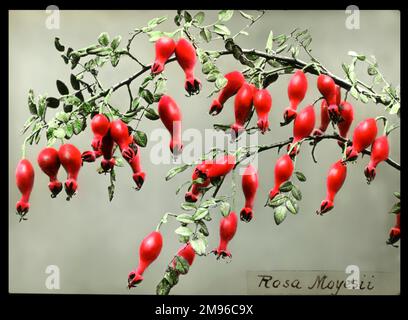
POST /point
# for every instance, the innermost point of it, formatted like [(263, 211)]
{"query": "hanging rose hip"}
[(49, 163), (296, 93), (235, 80), (70, 158), (99, 126), (149, 250), (395, 232), (164, 47), (138, 175), (263, 105), (324, 119), (120, 135), (195, 191), (186, 57), (327, 88), (283, 171), (346, 119), (380, 150), (249, 187), (170, 115), (108, 161), (242, 107), (228, 228), (302, 128), (363, 136), (335, 179), (24, 182), (218, 167)]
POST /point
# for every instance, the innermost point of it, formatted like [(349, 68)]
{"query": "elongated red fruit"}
[(138, 174), (324, 119), (283, 171), (218, 167), (171, 117), (99, 126), (149, 250), (235, 81), (186, 57), (297, 88), (70, 158), (327, 88), (186, 252), (24, 182), (108, 161), (249, 187), (395, 232), (363, 136), (335, 179), (380, 150), (263, 105), (49, 163), (242, 107), (164, 48), (120, 135), (302, 128), (195, 191), (346, 119), (228, 228)]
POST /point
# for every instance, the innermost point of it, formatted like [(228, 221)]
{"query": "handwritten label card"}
[(353, 282)]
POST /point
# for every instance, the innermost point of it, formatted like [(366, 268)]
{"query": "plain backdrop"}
[(95, 242)]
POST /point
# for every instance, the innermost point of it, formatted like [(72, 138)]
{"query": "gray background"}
[(95, 242)]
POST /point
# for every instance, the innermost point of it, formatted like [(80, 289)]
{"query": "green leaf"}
[(269, 42), (208, 203), (280, 214), (31, 104), (395, 108), (200, 213), (111, 191), (176, 170), (62, 116), (300, 176), (372, 71), (72, 100), (290, 206), (208, 67), (182, 265), (221, 30), (396, 208), (188, 206), (59, 133), (140, 138), (62, 88), (184, 218), (281, 48), (77, 126), (286, 186), (184, 231), (147, 96), (225, 15), (246, 15), (103, 39), (213, 75), (58, 45), (41, 106), (354, 93), (114, 59), (277, 201), (206, 34), (297, 194), (199, 17), (151, 114), (199, 246), (74, 82), (203, 228), (69, 131), (363, 98), (67, 108), (187, 16), (397, 195), (116, 42), (225, 208), (221, 82)]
